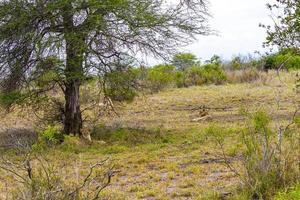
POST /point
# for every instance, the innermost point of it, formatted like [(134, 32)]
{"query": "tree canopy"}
[(285, 33), (183, 61), (47, 44)]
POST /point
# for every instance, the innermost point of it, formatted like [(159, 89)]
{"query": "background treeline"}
[(186, 70), (183, 70)]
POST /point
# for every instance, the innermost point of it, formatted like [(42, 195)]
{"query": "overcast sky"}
[(238, 24)]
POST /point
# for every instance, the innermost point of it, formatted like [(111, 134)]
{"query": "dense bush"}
[(194, 76), (52, 135), (166, 76), (284, 59), (186, 71), (121, 85), (213, 74), (236, 63), (160, 77), (180, 79), (206, 74)]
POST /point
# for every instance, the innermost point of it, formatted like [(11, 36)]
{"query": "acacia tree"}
[(285, 33), (183, 61), (50, 43)]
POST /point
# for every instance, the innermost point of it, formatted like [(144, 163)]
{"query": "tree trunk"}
[(75, 48), (73, 119), (74, 75)]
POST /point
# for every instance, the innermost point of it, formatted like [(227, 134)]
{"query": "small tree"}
[(215, 59), (236, 63), (49, 44), (183, 61)]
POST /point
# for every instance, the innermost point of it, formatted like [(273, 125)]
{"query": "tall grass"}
[(270, 158)]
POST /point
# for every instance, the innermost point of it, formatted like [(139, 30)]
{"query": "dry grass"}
[(180, 163), (175, 109), (247, 76)]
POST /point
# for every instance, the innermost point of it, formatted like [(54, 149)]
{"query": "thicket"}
[(186, 71), (288, 59)]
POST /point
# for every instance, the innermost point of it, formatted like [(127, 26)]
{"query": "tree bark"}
[(73, 118), (74, 74)]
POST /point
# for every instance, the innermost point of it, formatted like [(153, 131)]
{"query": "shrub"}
[(215, 59), (236, 63), (121, 85), (10, 98), (269, 157), (206, 74), (243, 62), (165, 76), (35, 177), (51, 136), (160, 77), (180, 79), (284, 59), (194, 76), (213, 74)]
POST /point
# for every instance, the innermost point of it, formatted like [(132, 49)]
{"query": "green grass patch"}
[(292, 193)]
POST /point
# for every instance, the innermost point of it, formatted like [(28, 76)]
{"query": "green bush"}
[(206, 74), (160, 77), (121, 85), (180, 79), (284, 59), (8, 99), (213, 74), (51, 136), (165, 76), (236, 63), (243, 63), (269, 157)]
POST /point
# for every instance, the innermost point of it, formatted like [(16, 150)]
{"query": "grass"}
[(291, 194), (161, 152)]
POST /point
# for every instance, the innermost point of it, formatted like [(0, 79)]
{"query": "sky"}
[(237, 22)]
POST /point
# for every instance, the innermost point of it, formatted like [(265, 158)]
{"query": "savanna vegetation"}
[(82, 118)]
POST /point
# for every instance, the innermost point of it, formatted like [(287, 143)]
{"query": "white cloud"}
[(238, 24)]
